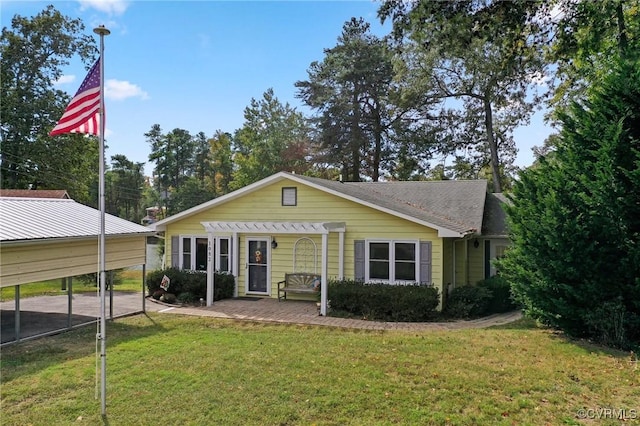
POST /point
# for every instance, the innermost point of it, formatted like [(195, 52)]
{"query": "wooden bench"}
[(299, 282)]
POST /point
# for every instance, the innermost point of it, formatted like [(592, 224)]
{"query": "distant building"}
[(35, 193), (152, 215)]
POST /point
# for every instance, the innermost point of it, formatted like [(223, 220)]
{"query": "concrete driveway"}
[(44, 314)]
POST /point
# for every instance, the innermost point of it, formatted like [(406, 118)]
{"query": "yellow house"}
[(440, 233)]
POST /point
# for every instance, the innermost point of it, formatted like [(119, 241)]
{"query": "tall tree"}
[(273, 138), (482, 54), (575, 219), (125, 183), (202, 160), (588, 37), (33, 53), (221, 162), (174, 157), (350, 91)]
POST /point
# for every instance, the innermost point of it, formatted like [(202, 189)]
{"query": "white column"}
[(341, 255), (235, 259), (210, 268), (325, 272)]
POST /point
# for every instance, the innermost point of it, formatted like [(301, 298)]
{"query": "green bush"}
[(225, 285), (190, 286), (383, 301), (501, 300), (187, 297), (468, 302)]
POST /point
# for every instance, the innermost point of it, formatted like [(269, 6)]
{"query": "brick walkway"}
[(296, 312)]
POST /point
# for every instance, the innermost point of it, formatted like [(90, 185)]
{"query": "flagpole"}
[(102, 31)]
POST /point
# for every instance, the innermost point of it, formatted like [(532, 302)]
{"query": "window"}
[(223, 255), (193, 253), (393, 261), (289, 196)]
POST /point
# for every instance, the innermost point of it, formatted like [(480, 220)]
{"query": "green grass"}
[(175, 370), (131, 281)]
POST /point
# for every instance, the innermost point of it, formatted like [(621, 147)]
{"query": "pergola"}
[(274, 228)]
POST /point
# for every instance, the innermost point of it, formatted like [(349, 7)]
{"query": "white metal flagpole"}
[(102, 31)]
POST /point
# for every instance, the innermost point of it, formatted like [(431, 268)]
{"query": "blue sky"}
[(196, 65)]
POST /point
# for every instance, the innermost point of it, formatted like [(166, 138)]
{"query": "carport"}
[(45, 239)]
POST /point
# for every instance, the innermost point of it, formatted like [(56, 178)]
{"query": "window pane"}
[(379, 251), (405, 251), (224, 246), (289, 196), (378, 270), (405, 271), (201, 254), (224, 264), (186, 261), (186, 245)]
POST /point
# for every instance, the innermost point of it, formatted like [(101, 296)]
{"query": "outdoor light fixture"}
[(274, 244), (476, 243)]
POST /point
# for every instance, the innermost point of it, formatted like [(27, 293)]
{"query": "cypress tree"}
[(575, 219)]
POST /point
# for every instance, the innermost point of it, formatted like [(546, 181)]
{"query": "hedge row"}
[(190, 286), (489, 296), (384, 302)]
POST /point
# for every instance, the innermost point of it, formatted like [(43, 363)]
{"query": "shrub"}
[(501, 300), (383, 301), (224, 287), (112, 278), (190, 286), (186, 297), (468, 302)]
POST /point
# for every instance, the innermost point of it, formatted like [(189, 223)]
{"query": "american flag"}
[(83, 113)]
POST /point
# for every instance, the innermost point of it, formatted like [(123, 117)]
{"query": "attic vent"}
[(289, 196)]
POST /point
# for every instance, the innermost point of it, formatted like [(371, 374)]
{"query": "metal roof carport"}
[(45, 239)]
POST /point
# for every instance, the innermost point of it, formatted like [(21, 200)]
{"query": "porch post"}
[(325, 272), (341, 255), (235, 261), (210, 268)]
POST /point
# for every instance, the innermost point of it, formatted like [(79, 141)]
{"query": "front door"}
[(258, 266)]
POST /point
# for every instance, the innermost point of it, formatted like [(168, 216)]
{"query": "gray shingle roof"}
[(495, 218), (27, 219), (456, 205), (454, 208)]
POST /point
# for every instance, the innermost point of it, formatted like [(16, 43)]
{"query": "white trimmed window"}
[(395, 262), (193, 253)]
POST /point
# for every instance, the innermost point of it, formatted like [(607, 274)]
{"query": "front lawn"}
[(176, 370)]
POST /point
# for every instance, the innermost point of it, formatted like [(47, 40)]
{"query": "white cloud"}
[(65, 79), (119, 90), (112, 7)]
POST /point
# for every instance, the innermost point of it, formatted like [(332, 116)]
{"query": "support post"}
[(324, 291)]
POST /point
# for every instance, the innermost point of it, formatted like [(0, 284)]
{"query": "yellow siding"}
[(447, 266), (460, 263), (476, 261), (45, 261), (313, 205)]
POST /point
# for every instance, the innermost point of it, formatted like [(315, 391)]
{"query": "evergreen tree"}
[(575, 219)]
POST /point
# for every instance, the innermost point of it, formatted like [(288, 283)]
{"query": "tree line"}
[(437, 98)]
